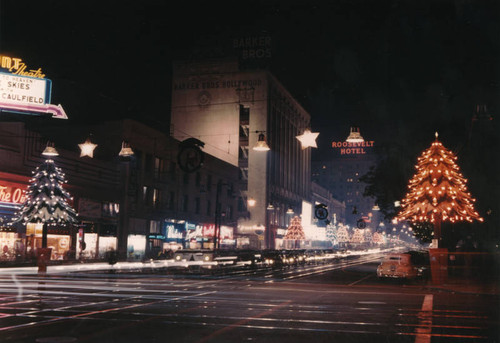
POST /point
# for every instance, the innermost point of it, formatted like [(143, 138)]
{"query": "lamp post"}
[(271, 226), (125, 155), (217, 217)]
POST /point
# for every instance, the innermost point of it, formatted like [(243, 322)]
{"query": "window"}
[(241, 205), (186, 178), (197, 206), (209, 208), (157, 170), (154, 226), (156, 197), (198, 179), (209, 183), (145, 194), (148, 162), (185, 203), (171, 203)]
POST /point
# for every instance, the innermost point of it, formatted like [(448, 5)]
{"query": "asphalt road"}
[(339, 302)]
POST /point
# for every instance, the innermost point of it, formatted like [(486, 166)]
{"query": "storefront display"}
[(106, 244), (90, 250), (136, 247)]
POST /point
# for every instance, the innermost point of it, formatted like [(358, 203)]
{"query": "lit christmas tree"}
[(378, 238), (357, 237), (331, 234), (46, 200), (438, 191), (367, 236), (342, 234), (295, 231)]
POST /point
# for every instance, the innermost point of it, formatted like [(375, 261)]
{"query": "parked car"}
[(408, 265)]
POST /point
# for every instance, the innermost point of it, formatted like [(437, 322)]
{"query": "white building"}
[(228, 109)]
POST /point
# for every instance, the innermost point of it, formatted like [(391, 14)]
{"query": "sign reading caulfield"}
[(24, 90)]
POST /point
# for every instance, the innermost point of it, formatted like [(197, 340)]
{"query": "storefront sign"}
[(174, 231), (256, 47), (229, 83), (11, 193), (156, 236), (18, 67), (347, 148)]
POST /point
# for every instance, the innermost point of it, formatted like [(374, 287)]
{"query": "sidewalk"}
[(467, 286)]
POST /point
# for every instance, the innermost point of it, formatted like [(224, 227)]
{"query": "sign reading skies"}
[(16, 89)]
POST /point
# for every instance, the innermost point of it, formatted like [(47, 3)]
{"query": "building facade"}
[(229, 110), (341, 176)]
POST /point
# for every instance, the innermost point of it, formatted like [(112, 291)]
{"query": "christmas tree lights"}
[(46, 200), (438, 191), (295, 231)]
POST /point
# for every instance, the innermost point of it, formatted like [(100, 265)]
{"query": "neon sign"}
[(347, 148), (11, 194), (18, 67)]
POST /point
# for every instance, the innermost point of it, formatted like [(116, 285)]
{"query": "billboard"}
[(19, 90)]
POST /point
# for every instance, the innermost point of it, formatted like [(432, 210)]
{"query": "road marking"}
[(372, 302), (423, 332), (242, 322), (355, 282)]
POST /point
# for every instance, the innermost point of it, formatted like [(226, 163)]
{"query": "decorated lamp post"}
[(438, 191)]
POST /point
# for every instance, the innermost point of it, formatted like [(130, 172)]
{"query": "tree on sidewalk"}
[(46, 200), (438, 191)]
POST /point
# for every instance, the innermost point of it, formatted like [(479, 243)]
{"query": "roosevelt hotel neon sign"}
[(350, 148)]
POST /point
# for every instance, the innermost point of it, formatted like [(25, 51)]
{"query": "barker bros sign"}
[(348, 148)]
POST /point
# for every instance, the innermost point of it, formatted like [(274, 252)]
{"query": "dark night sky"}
[(398, 69)]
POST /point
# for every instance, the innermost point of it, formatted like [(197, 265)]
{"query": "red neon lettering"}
[(7, 195)]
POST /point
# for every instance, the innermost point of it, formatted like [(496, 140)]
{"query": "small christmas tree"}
[(367, 236), (295, 231), (46, 200), (378, 238), (331, 234), (342, 234), (438, 191), (357, 237)]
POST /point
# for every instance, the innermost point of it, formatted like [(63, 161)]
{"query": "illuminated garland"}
[(438, 191), (46, 200)]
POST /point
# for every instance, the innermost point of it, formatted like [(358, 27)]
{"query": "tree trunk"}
[(437, 232), (44, 235)]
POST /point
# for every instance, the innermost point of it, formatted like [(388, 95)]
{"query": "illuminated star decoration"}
[(87, 148), (308, 139)]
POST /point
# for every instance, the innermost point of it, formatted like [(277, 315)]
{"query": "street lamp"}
[(50, 150), (261, 143)]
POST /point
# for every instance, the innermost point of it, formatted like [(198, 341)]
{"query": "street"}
[(342, 302)]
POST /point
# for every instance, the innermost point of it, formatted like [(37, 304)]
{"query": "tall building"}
[(230, 110), (341, 176)]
